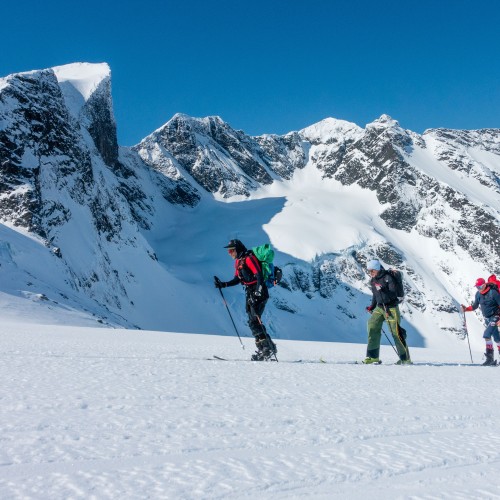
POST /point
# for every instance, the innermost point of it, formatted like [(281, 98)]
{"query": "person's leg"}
[(490, 331), (263, 342), (393, 321), (374, 327)]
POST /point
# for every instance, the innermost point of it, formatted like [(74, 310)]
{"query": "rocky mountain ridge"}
[(63, 176)]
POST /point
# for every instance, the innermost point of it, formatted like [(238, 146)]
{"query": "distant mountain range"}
[(92, 231)]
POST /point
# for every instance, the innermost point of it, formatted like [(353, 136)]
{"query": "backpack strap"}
[(253, 262), (246, 267)]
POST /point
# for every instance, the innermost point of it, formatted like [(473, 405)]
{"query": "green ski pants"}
[(375, 323)]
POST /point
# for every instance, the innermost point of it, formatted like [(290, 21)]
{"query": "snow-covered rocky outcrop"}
[(134, 235)]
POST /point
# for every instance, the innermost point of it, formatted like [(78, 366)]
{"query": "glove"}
[(257, 293), (466, 308), (370, 308), (218, 283)]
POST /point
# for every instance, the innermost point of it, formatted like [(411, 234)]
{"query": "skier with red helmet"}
[(488, 298), (248, 272)]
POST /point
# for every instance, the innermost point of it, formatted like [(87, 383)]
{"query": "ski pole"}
[(387, 314), (392, 345), (230, 315), (467, 335)]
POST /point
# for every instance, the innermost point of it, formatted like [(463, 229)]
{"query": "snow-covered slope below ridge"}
[(134, 236)]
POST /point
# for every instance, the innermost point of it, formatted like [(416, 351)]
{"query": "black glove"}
[(218, 283), (257, 293)]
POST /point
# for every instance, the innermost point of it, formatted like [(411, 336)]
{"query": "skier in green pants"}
[(384, 307)]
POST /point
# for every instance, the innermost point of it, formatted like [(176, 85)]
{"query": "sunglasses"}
[(231, 250)]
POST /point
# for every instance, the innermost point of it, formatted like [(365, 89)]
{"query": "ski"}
[(219, 358), (325, 362), (296, 361)]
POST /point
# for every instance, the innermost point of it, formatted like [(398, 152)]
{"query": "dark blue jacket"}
[(489, 302), (384, 289)]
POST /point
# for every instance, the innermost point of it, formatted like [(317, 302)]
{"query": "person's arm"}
[(233, 282), (473, 306)]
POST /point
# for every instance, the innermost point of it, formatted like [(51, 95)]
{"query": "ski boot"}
[(258, 356), (404, 362), (371, 361), (489, 358), (265, 354), (404, 359), (266, 348)]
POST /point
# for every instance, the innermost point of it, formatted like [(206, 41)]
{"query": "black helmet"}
[(238, 246)]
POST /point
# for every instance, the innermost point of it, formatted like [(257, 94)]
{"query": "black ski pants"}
[(255, 309)]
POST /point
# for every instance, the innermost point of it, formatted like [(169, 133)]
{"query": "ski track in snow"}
[(123, 414)]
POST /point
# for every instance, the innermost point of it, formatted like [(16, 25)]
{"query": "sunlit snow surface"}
[(97, 413)]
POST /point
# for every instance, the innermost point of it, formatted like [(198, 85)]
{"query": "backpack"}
[(398, 280), (265, 255)]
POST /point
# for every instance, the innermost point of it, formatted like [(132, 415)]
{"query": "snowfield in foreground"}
[(97, 413)]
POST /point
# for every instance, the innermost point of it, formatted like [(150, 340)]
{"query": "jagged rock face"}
[(40, 151), (374, 160), (283, 155), (220, 159), (98, 113), (379, 159)]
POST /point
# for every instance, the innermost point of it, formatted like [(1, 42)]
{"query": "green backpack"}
[(265, 255)]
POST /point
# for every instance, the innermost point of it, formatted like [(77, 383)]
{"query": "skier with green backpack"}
[(255, 270)]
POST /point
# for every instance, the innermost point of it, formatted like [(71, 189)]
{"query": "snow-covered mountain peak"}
[(181, 121), (330, 128), (84, 77), (79, 82), (384, 121)]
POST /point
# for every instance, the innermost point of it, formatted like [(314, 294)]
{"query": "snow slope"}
[(98, 413), (133, 236)]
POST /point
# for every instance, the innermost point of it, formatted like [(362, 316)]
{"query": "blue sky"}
[(272, 66)]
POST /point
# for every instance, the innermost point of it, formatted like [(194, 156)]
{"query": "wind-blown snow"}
[(89, 413), (78, 81), (85, 77)]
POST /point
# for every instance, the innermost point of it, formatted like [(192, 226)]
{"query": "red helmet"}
[(480, 282)]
